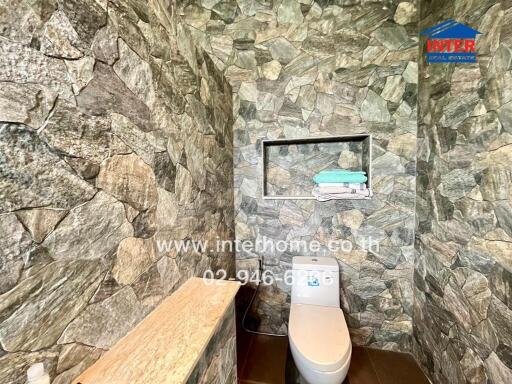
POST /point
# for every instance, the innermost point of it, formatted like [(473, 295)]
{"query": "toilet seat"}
[(320, 336)]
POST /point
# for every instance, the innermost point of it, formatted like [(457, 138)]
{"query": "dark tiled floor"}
[(374, 366), (263, 360)]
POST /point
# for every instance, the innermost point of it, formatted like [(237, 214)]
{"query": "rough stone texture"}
[(73, 359), (374, 108), (25, 103), (289, 12), (99, 108), (104, 47), (11, 364), (142, 143), (80, 72), (37, 310), (158, 94), (79, 135), (59, 38), (38, 179), (130, 180), (135, 73), (107, 93), (40, 221), (406, 13), (25, 65), (325, 69), (103, 221), (271, 70), (134, 256), (14, 246), (218, 362), (102, 324), (462, 307), (29, 19)]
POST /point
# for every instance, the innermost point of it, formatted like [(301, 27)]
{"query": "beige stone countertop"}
[(166, 346)]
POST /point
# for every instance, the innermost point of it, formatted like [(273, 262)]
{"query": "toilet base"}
[(312, 376)]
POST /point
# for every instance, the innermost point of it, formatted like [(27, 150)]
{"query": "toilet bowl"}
[(317, 330), (320, 343)]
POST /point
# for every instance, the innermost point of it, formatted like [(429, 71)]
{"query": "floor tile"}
[(396, 368), (268, 361), (265, 362), (361, 370)]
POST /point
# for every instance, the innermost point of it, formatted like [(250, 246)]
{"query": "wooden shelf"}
[(165, 347)]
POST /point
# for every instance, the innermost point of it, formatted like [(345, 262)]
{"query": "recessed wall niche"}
[(290, 164)]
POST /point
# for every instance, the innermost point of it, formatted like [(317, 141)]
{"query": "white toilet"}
[(319, 338)]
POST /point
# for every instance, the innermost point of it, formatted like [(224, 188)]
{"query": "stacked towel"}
[(340, 176), (340, 184), (342, 188)]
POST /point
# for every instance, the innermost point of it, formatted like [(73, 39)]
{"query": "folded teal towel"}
[(340, 176)]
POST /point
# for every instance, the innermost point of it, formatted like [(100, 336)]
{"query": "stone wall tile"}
[(405, 13), (21, 64), (86, 17), (130, 180), (103, 219), (106, 93), (466, 214), (65, 287), (28, 104), (37, 169), (59, 38), (124, 22), (29, 19), (135, 73), (104, 46), (15, 248), (80, 72), (79, 135), (14, 363), (160, 119), (102, 324), (134, 256), (40, 221)]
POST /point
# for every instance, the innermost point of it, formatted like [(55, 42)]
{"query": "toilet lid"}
[(320, 335)]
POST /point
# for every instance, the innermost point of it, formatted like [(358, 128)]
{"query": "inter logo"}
[(451, 42)]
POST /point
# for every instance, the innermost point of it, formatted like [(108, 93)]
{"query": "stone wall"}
[(114, 135), (327, 68), (217, 365), (463, 274)]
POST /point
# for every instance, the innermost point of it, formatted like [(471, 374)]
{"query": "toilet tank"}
[(316, 281)]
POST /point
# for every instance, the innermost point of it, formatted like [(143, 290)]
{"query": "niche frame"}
[(364, 138)]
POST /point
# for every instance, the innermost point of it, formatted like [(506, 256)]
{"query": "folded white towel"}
[(359, 186), (339, 189), (340, 196)]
